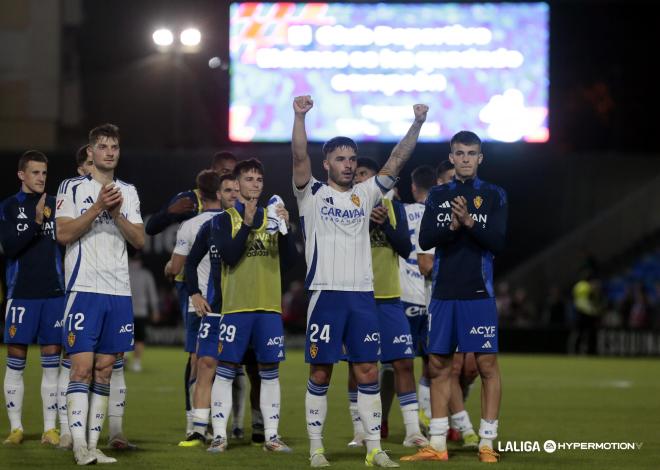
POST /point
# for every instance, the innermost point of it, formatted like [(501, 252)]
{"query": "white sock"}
[(221, 399), (189, 422), (461, 422), (62, 385), (370, 410), (14, 391), (269, 401), (410, 412), (77, 406), (316, 409), (424, 396), (355, 414), (49, 371), (438, 431), (201, 420), (488, 432), (117, 399), (386, 381), (98, 407), (239, 397)]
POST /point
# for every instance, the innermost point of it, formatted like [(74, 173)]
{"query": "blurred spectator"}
[(522, 310), (503, 302), (145, 304), (638, 309), (294, 308), (554, 309), (588, 302), (170, 313)]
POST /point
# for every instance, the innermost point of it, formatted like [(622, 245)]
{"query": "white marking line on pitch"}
[(616, 384)]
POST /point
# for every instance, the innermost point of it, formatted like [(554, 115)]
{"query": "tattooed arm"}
[(402, 151)]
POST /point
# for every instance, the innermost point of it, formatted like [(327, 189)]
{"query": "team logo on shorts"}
[(220, 348), (313, 350), (478, 201), (47, 212), (71, 339), (355, 200), (12, 331)]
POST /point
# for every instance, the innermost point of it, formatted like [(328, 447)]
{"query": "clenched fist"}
[(302, 104), (420, 112)]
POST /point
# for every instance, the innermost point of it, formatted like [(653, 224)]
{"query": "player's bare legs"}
[(491, 385), (460, 423), (491, 394)]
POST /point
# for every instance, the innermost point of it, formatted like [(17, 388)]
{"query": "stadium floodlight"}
[(190, 37), (163, 37)]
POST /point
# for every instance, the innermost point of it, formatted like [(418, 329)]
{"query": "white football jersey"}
[(412, 281), (97, 261), (185, 238), (336, 229)]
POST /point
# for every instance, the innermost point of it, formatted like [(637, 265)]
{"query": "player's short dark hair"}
[(221, 156), (208, 183), (104, 130), (465, 138), (227, 177), (338, 142), (81, 155), (31, 156), (424, 177), (369, 163), (443, 168), (248, 165)]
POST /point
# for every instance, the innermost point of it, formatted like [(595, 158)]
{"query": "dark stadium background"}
[(602, 148)]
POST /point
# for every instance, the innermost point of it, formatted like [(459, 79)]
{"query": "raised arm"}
[(403, 150), (302, 166)]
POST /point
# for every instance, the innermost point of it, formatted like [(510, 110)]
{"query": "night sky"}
[(603, 95)]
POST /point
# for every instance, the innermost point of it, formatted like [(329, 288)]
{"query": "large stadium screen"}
[(482, 67)]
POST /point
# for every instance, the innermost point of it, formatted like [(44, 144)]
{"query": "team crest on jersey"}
[(47, 212), (478, 201), (71, 339), (219, 347), (313, 350), (12, 331), (355, 200)]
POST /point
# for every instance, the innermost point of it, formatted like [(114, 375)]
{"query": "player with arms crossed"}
[(96, 215), (342, 309), (35, 292), (465, 220)]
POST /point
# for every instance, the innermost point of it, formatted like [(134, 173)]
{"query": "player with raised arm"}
[(342, 310), (390, 241), (35, 292), (465, 220), (96, 215), (251, 254)]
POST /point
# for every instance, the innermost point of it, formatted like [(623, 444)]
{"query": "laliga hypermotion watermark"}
[(551, 446)]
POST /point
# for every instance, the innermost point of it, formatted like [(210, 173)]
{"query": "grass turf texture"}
[(565, 399)]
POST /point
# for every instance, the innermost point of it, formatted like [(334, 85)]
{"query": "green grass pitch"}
[(565, 399)]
